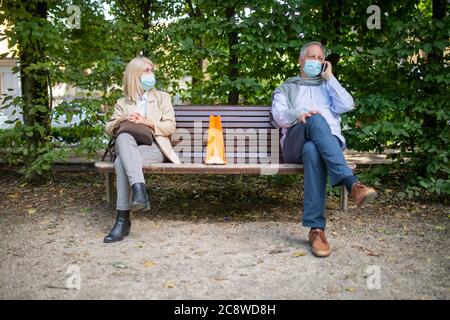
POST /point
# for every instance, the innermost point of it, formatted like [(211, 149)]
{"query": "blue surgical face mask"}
[(148, 81), (312, 68)]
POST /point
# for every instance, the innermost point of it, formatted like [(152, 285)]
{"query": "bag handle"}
[(110, 149)]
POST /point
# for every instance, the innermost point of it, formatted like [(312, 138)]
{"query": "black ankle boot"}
[(139, 197), (121, 229), (147, 204)]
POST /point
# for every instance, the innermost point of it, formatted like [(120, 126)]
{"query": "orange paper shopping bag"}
[(215, 150)]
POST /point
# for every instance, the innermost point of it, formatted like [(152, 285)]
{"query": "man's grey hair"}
[(309, 44)]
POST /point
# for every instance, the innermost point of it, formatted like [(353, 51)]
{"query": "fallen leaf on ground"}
[(149, 264), (31, 211), (274, 251), (368, 251), (119, 265), (297, 254), (219, 277), (86, 210)]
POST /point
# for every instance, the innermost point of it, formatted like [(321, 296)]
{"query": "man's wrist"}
[(332, 78)]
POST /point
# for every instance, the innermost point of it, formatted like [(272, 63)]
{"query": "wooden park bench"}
[(251, 146)]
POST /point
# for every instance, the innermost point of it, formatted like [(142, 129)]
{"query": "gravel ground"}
[(195, 245)]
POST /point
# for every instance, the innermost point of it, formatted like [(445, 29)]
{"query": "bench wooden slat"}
[(239, 139), (226, 131), (207, 113), (235, 154), (223, 119), (220, 107), (229, 125), (201, 168)]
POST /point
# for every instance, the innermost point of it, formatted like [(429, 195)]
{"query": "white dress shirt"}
[(141, 104)]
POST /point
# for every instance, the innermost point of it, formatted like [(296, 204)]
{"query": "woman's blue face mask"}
[(148, 81), (312, 68)]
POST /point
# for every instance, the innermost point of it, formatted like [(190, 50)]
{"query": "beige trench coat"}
[(159, 111)]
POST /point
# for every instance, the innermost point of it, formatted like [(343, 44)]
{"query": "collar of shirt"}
[(141, 102), (142, 97)]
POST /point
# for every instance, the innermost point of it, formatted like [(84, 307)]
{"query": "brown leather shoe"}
[(362, 194), (319, 244)]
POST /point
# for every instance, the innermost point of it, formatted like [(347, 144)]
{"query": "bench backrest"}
[(249, 134)]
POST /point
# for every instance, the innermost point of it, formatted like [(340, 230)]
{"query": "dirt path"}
[(191, 247)]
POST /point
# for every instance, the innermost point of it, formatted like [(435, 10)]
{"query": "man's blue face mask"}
[(312, 68)]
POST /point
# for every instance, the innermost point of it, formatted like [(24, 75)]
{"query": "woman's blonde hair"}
[(131, 77)]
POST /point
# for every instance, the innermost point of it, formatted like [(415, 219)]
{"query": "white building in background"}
[(9, 82), (9, 85)]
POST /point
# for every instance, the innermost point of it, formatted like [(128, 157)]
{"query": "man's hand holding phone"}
[(326, 70)]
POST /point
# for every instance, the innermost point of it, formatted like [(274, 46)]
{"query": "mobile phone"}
[(324, 67)]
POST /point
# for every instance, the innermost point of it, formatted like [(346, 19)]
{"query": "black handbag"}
[(140, 132)]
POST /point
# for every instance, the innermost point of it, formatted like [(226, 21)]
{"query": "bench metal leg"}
[(109, 189), (344, 198)]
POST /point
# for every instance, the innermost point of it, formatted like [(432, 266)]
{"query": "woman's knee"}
[(124, 138)]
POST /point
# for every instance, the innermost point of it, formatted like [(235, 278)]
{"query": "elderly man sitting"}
[(307, 108)]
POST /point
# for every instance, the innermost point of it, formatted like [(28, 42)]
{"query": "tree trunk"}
[(233, 71), (331, 15), (197, 71), (35, 83), (436, 57), (197, 82), (146, 19)]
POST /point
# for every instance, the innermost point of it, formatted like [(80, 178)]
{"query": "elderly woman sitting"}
[(141, 104)]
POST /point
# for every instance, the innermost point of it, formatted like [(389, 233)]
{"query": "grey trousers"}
[(128, 165)]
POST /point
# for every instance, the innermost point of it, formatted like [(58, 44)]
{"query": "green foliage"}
[(283, 180), (16, 149), (88, 135), (402, 96)]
